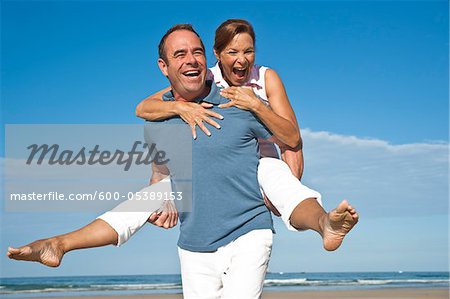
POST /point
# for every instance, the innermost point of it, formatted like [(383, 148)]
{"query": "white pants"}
[(275, 178), (236, 270), (282, 188)]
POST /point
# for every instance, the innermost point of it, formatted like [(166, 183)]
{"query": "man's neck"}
[(191, 97)]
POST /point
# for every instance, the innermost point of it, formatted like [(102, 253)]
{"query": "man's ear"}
[(216, 54), (162, 66)]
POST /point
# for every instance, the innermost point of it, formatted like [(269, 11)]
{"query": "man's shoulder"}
[(168, 96)]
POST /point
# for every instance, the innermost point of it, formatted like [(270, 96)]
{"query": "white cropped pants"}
[(275, 178)]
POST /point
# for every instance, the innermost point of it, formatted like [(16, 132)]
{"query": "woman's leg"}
[(301, 207), (112, 228), (51, 251), (131, 215)]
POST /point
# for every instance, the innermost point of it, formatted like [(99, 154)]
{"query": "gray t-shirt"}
[(226, 199)]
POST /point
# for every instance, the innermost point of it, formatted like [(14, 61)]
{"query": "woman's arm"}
[(294, 159), (283, 116), (279, 117), (278, 99), (280, 120), (154, 108)]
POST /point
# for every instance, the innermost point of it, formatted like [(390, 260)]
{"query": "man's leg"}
[(201, 274), (300, 206), (248, 261), (51, 251)]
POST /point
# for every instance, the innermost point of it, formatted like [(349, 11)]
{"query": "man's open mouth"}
[(192, 74)]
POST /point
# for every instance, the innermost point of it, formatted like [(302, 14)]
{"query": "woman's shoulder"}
[(264, 73), (265, 69), (258, 74), (268, 73), (273, 82), (260, 68)]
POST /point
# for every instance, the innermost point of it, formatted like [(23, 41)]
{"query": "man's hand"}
[(166, 216), (195, 114)]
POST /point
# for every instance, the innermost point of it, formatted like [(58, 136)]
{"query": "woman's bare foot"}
[(48, 252), (337, 224)]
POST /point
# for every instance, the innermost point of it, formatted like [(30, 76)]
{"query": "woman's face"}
[(237, 59)]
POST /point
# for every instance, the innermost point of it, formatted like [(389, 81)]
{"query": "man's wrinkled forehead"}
[(181, 41)]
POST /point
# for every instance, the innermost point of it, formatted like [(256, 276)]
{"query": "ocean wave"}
[(280, 282), (149, 286), (44, 290), (391, 281), (375, 282), (90, 288), (349, 282), (307, 282)]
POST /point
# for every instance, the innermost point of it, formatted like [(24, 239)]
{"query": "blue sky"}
[(368, 82)]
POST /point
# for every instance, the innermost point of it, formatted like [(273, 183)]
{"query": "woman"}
[(234, 49)]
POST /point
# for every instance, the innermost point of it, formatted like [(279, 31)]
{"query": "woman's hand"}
[(241, 97), (195, 114)]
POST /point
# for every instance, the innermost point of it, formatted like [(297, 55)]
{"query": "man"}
[(225, 242)]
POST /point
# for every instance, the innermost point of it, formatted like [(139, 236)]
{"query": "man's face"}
[(186, 64)]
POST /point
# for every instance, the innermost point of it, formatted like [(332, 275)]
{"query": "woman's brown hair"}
[(228, 30)]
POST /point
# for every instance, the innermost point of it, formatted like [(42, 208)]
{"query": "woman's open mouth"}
[(240, 72)]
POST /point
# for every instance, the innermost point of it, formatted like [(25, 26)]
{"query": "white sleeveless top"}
[(258, 84), (256, 80)]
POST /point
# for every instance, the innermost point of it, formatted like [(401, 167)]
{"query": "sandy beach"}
[(407, 293)]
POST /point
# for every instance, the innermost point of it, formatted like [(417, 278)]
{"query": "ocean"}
[(164, 284)]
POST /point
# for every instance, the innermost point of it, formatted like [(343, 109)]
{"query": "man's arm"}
[(159, 172), (167, 215)]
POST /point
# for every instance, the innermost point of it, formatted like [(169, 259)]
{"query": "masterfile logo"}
[(53, 155), (95, 167)]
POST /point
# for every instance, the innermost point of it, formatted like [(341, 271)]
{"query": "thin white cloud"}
[(381, 179)]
